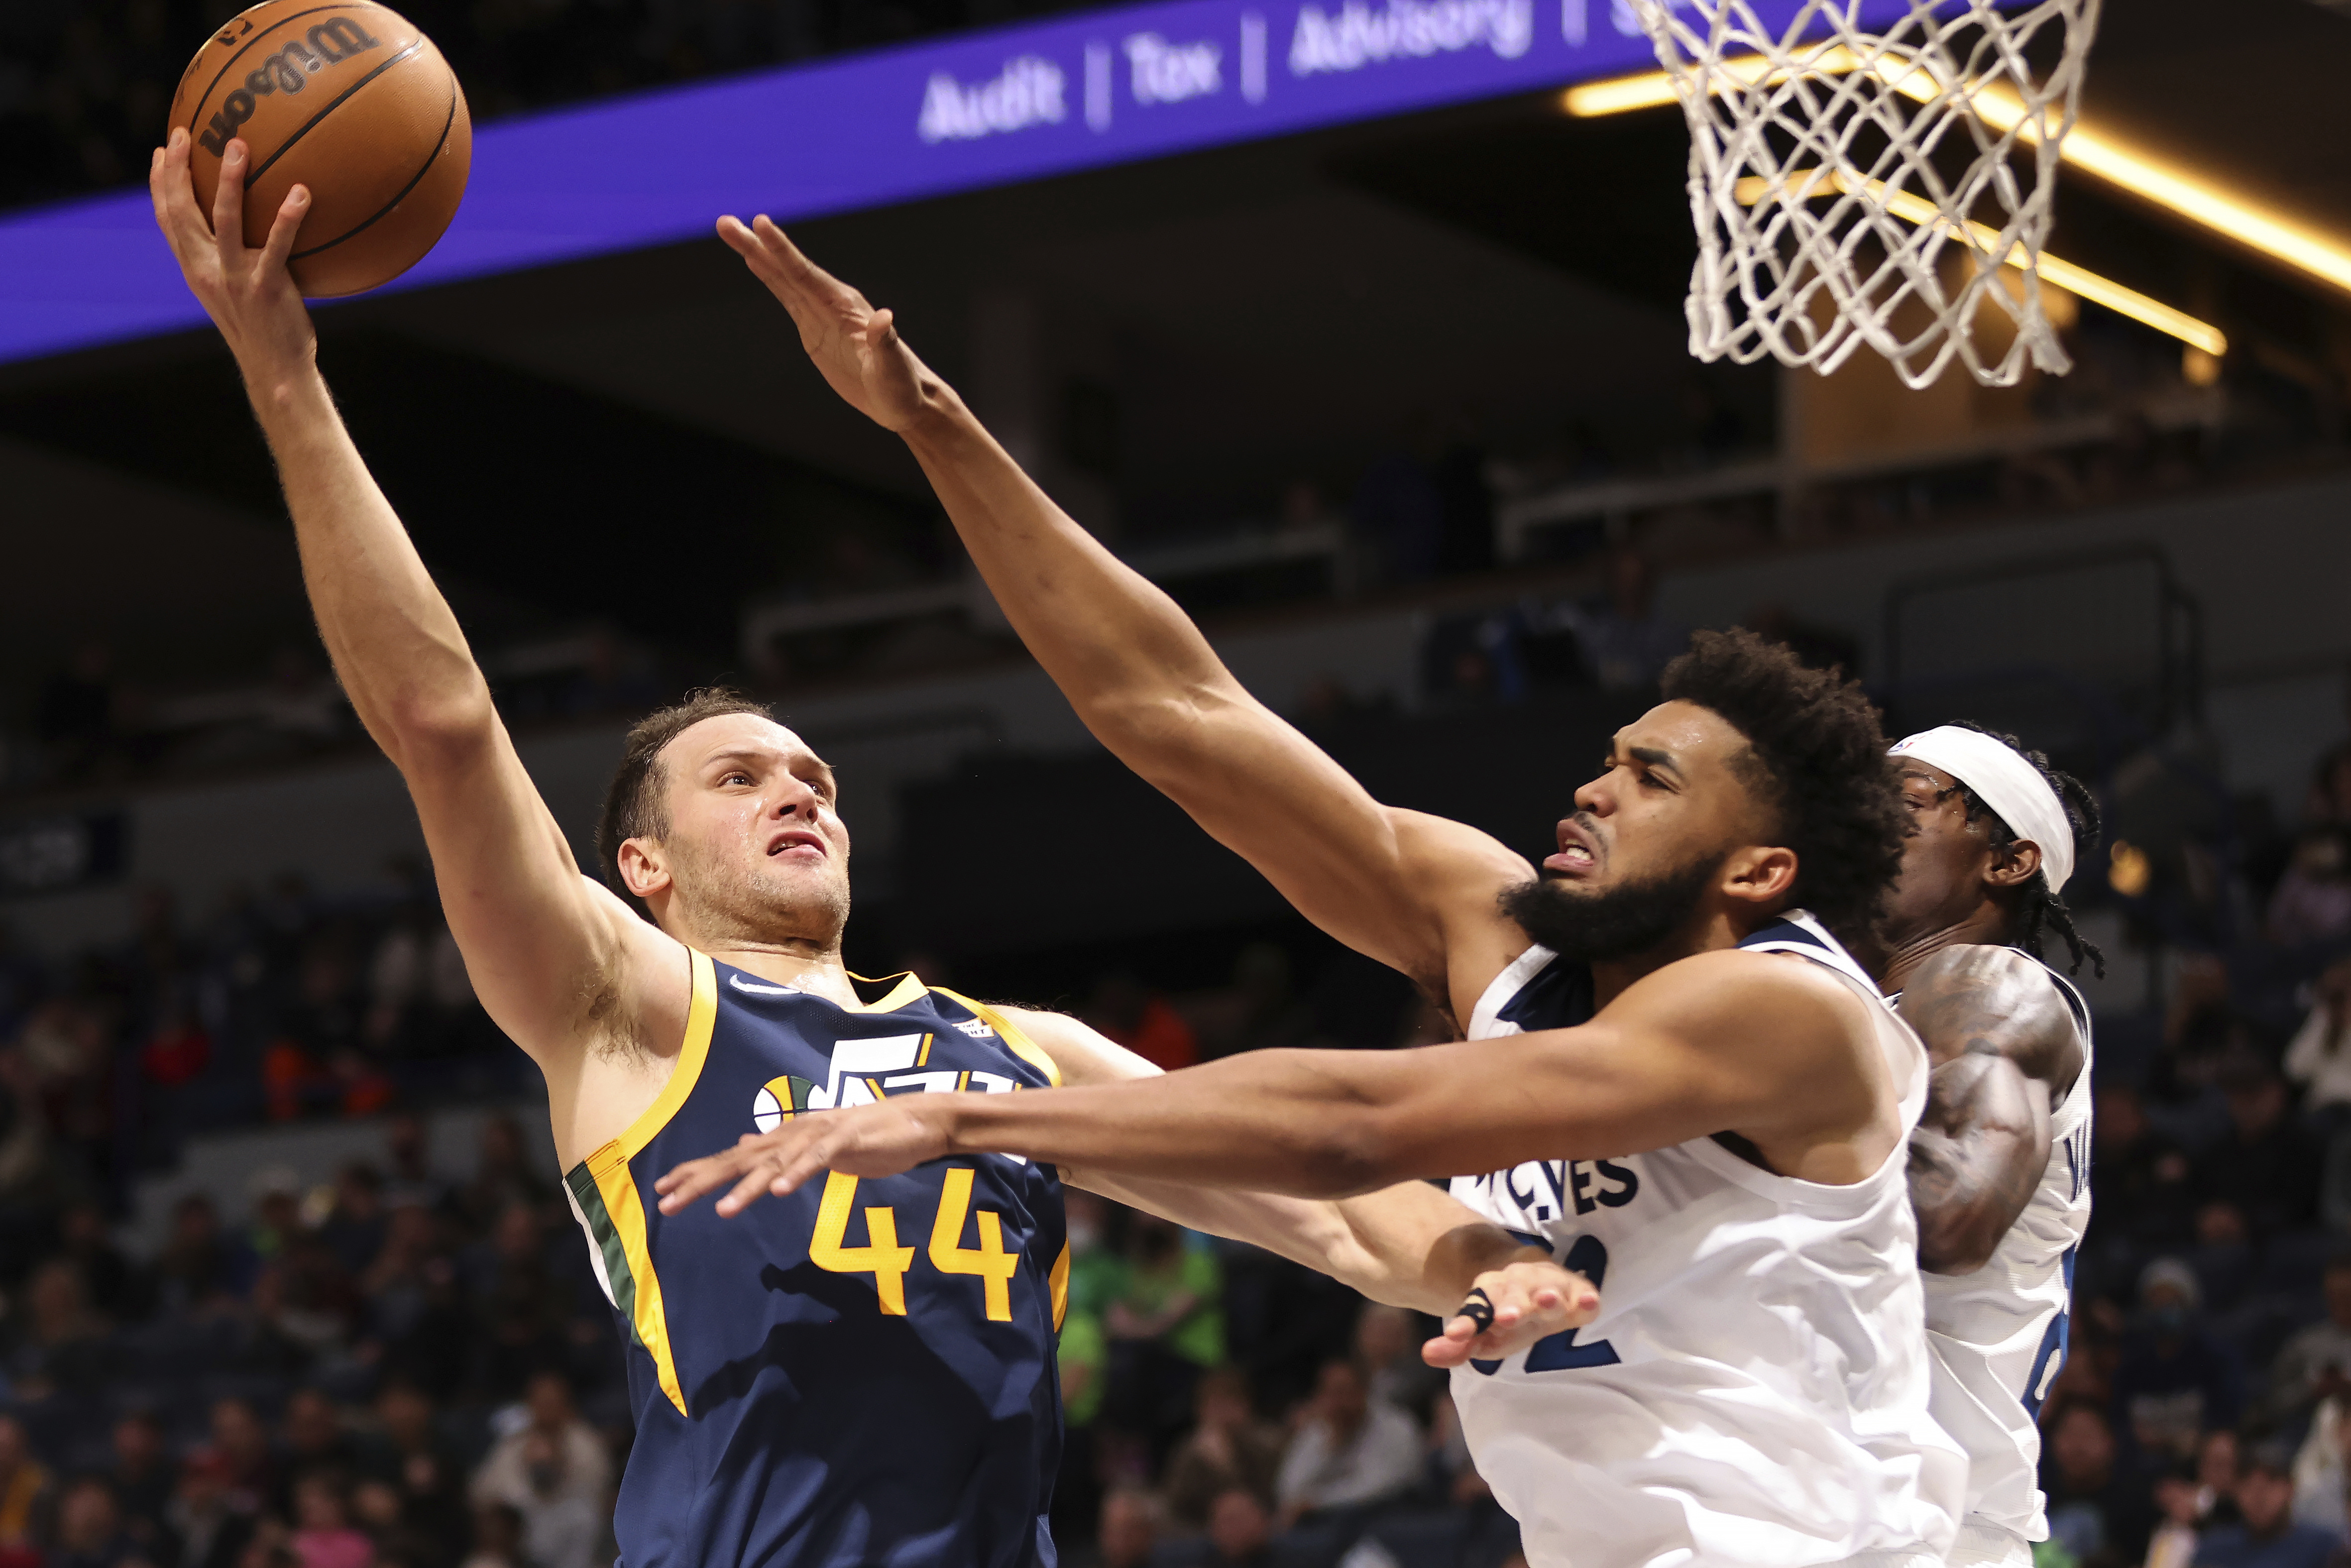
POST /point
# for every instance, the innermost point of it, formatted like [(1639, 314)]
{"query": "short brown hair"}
[(632, 801)]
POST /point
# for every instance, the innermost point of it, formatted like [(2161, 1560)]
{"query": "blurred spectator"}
[(143, 1482), (2266, 1165), (504, 1176), (323, 1536), (407, 1453), (107, 1275), (90, 1530), (554, 1473), (2315, 1363), (407, 1149), (1240, 1531), (1166, 1322), (2178, 1523), (198, 1263), (2176, 1379), (242, 1443), (1387, 1347), (2094, 1506), (316, 1441), (1142, 1021), (210, 1529), (1130, 1528), (2269, 1537), (1230, 1447), (498, 1538), (1625, 644), (27, 1496), (2312, 905), (1349, 1453), (60, 1343), (2317, 1058)]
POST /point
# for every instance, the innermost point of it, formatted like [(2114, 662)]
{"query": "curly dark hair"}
[(2042, 908), (1815, 757), (632, 801)]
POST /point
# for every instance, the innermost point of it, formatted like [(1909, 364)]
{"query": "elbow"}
[(436, 728), (1954, 1244)]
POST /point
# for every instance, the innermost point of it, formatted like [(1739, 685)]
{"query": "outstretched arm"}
[(2005, 1050), (1409, 1245), (1766, 1047), (1409, 889), (547, 950)]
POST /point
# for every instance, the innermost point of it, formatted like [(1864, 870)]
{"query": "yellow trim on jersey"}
[(701, 1017), (908, 989), (609, 1168), (1015, 1039), (1060, 1282)]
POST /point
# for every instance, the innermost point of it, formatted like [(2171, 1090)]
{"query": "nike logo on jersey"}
[(740, 983)]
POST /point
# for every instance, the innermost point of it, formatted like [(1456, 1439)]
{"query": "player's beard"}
[(727, 902), (1608, 924)]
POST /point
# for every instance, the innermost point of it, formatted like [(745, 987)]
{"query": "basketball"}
[(352, 100)]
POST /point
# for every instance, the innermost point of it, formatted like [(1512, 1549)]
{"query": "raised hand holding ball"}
[(351, 101)]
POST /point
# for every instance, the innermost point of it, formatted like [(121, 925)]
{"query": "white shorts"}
[(1990, 1546)]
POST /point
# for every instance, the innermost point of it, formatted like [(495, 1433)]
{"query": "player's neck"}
[(805, 964), (1984, 926), (1611, 977)]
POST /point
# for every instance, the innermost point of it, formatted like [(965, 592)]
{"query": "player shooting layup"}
[(1999, 1167), (1725, 1137), (867, 1374)]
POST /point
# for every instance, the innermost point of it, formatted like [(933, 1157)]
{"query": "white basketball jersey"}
[(2000, 1334), (1754, 1391)]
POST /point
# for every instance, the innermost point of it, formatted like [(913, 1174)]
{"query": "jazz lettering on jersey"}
[(866, 1070)]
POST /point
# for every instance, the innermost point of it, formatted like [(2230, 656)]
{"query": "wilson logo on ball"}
[(332, 42)]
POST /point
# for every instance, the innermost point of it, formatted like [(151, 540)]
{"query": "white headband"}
[(2006, 782)]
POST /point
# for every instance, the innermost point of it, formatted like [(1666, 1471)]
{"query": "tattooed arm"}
[(2004, 1051)]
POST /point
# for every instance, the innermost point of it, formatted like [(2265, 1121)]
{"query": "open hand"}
[(1531, 1300), (854, 345), (248, 293), (878, 1140)]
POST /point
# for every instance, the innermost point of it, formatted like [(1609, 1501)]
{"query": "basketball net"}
[(1853, 186)]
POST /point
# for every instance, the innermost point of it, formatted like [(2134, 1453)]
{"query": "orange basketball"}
[(350, 100)]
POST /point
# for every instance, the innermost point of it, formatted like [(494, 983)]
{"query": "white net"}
[(1859, 185)]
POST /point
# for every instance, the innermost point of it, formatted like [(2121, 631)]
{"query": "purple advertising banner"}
[(869, 129)]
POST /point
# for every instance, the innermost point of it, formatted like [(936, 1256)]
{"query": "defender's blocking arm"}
[(2004, 1049), (1409, 1245), (1411, 891), (545, 947), (1726, 1040)]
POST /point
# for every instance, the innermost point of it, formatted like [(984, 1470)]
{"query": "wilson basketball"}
[(350, 100)]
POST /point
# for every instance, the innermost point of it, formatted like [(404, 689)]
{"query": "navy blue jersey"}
[(861, 1373)]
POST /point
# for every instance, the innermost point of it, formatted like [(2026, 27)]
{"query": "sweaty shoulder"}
[(1993, 1001)]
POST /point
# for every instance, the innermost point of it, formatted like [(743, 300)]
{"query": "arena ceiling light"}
[(2079, 281), (2164, 184)]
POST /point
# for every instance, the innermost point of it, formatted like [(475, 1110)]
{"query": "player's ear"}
[(644, 872), (2014, 865), (1759, 873)]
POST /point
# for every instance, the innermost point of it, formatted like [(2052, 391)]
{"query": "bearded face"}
[(1621, 920)]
